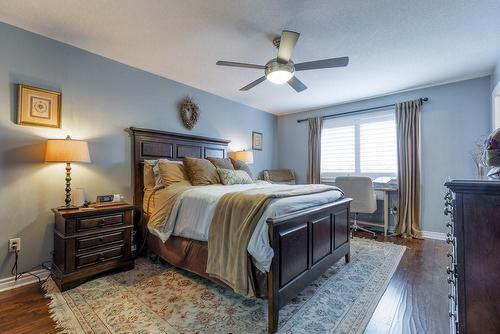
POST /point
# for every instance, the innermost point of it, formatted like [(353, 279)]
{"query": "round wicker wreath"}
[(190, 112)]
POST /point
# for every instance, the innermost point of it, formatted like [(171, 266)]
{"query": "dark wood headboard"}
[(155, 144)]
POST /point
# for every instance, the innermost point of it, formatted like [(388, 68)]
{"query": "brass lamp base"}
[(67, 199)]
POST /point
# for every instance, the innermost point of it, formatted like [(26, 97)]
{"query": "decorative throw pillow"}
[(231, 176), (201, 171), (171, 172), (148, 174), (221, 162), (240, 165)]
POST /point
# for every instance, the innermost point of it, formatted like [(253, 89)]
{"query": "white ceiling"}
[(392, 44)]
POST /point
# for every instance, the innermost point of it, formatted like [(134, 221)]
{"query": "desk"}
[(386, 189)]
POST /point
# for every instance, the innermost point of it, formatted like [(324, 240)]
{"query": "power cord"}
[(18, 275)]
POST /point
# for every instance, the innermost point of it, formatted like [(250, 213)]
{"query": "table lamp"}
[(67, 150), (245, 156)]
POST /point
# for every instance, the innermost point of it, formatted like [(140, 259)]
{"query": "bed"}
[(300, 241)]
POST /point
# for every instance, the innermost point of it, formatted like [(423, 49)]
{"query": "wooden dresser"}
[(473, 208), (87, 243)]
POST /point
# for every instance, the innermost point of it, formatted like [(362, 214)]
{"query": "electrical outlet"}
[(14, 245)]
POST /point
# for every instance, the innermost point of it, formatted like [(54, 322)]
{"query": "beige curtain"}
[(408, 134), (314, 151)]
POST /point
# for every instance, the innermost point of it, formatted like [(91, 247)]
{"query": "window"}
[(363, 144)]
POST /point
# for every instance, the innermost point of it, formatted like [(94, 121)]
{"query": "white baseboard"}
[(425, 234), (433, 235), (9, 283)]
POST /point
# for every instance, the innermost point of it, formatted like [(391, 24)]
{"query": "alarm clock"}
[(104, 198)]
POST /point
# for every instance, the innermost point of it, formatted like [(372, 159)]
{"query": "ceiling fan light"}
[(279, 73), (279, 77)]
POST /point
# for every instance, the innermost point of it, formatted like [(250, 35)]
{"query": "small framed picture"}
[(38, 107), (257, 141)]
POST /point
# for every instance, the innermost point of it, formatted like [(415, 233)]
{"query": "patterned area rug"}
[(156, 298)]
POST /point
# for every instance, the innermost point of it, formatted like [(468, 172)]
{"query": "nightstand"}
[(90, 242)]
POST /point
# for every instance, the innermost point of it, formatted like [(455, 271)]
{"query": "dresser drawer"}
[(99, 240), (104, 255), (92, 223)]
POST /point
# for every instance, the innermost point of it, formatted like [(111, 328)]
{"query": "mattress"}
[(193, 210)]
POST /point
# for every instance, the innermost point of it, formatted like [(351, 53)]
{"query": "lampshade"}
[(245, 156), (67, 150)]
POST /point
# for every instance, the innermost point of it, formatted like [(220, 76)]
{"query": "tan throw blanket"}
[(234, 221)]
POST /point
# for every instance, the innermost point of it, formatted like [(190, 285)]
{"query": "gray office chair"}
[(364, 200)]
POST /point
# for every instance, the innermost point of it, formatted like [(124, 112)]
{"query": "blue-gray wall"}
[(100, 99), (455, 116)]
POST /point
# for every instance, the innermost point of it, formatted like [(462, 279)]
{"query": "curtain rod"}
[(423, 99)]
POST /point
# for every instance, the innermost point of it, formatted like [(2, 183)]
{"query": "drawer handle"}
[(451, 281), (447, 211), (449, 271), (101, 222), (450, 255), (101, 258), (448, 196), (449, 224), (450, 240), (450, 296), (452, 315)]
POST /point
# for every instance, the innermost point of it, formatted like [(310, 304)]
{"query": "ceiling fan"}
[(282, 69)]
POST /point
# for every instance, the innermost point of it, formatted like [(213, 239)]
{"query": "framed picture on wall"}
[(38, 107), (257, 141)]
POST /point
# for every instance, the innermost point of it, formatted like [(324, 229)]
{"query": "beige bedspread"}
[(234, 221), (159, 203)]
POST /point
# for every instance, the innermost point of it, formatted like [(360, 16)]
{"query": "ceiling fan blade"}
[(297, 84), (234, 64), (287, 44), (324, 63), (253, 83)]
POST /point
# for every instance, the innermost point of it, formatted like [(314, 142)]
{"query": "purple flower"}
[(493, 144)]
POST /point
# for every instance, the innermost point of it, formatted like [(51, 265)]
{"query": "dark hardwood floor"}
[(25, 310), (415, 300)]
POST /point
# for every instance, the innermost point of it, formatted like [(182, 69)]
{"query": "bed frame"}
[(305, 243)]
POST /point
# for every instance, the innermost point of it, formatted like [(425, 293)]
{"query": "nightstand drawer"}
[(99, 222), (99, 240), (99, 257)]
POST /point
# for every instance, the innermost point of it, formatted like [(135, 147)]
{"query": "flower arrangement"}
[(491, 153)]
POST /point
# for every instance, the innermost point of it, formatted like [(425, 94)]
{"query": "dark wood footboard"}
[(305, 245)]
